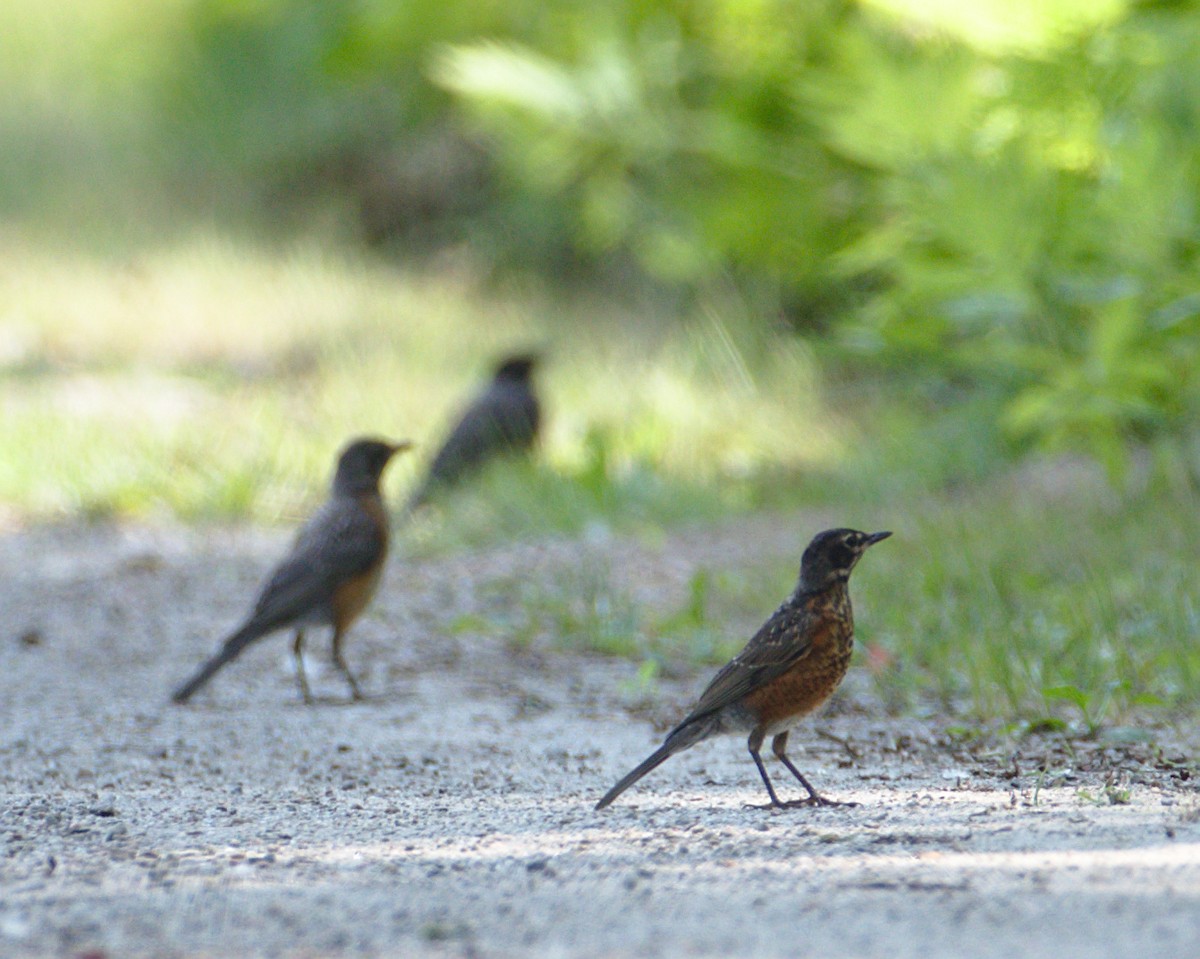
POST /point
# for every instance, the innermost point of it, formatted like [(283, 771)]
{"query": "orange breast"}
[(809, 682), (352, 596)]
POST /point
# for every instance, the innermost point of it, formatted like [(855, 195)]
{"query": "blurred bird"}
[(791, 666), (331, 572), (503, 419)]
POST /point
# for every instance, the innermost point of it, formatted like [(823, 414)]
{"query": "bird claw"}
[(820, 801), (809, 801)]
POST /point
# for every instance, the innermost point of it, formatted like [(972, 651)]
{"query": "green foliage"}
[(1018, 213), (996, 197), (1129, 379), (671, 132), (1045, 243)]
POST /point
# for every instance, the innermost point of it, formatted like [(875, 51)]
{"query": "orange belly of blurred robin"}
[(351, 597), (807, 684)]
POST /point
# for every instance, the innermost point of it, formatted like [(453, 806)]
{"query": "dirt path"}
[(451, 814)]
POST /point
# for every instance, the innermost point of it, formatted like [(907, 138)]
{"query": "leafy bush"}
[(675, 132), (998, 197), (1048, 243), (1020, 213)]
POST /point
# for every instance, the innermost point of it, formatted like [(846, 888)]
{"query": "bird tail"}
[(651, 762), (680, 739), (229, 651)]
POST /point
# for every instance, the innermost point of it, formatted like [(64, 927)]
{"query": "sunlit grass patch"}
[(217, 378)]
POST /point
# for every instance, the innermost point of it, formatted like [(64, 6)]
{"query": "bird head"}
[(362, 462), (516, 367), (831, 556)]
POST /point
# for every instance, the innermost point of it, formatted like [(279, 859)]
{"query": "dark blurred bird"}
[(331, 572), (503, 419), (791, 666)]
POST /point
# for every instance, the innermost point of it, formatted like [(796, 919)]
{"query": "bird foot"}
[(809, 801), (818, 800)]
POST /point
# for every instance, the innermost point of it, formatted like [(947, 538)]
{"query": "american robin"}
[(791, 666), (331, 572), (504, 418)]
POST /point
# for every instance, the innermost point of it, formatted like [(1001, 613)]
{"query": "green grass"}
[(1009, 601), (216, 378), (1038, 595), (1071, 609)]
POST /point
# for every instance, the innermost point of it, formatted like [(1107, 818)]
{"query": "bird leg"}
[(779, 748), (298, 653), (754, 744), (340, 663)]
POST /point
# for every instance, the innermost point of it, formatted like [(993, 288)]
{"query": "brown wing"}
[(783, 640)]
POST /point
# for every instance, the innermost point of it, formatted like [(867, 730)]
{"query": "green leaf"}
[(1069, 693)]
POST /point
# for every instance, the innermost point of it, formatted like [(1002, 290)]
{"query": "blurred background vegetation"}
[(864, 254)]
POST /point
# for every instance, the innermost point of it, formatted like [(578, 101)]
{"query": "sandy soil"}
[(451, 814)]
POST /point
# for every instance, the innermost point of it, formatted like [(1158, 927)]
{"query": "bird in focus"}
[(503, 419), (791, 666), (330, 574)]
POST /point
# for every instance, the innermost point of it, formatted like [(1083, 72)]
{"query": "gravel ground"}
[(451, 813)]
